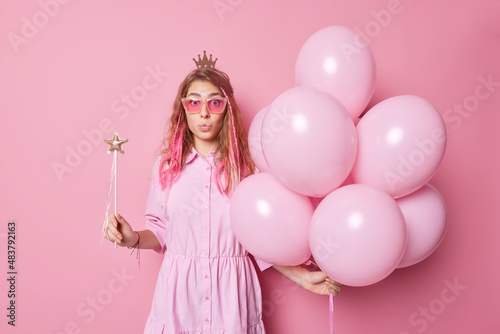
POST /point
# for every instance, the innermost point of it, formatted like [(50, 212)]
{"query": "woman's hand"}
[(314, 281), (318, 282), (120, 231)]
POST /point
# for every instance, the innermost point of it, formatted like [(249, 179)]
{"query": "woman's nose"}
[(204, 113)]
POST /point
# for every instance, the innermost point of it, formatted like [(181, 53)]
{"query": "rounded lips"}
[(204, 127)]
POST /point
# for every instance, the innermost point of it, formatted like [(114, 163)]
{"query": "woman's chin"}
[(207, 136)]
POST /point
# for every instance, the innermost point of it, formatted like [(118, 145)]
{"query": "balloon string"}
[(332, 327)]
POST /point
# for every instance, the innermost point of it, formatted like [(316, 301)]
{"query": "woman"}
[(207, 282)]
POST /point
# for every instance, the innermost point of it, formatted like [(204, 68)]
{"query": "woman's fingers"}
[(333, 286), (112, 232), (121, 220)]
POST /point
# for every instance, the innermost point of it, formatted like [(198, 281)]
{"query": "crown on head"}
[(205, 62)]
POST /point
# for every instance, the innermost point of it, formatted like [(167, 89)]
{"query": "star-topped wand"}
[(115, 145)]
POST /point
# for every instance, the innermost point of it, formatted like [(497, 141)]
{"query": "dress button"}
[(207, 298), (206, 253), (206, 320), (206, 276), (206, 207)]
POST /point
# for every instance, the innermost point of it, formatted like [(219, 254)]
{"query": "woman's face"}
[(204, 125)]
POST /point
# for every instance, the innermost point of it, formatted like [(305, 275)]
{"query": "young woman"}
[(207, 282)]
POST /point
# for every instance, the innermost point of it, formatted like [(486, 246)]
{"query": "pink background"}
[(68, 77)]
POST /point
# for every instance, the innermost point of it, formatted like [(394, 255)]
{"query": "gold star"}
[(115, 143)]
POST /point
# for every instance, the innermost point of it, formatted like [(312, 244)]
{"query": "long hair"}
[(234, 162)]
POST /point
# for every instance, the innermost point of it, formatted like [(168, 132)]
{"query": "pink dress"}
[(207, 282)]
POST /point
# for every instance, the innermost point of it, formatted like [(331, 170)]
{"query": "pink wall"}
[(67, 65)]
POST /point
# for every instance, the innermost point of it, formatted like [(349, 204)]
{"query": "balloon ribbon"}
[(332, 327)]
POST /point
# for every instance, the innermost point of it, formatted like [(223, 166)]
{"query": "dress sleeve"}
[(262, 264), (155, 209)]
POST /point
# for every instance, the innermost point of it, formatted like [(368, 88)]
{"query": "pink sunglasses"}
[(215, 105)]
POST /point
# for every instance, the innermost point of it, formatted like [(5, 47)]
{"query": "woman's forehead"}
[(203, 89)]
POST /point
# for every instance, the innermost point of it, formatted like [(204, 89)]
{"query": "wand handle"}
[(116, 170)]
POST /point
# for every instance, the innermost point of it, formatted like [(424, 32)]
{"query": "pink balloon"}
[(401, 142), (255, 141), (310, 141), (337, 60), (357, 235), (425, 216), (271, 221)]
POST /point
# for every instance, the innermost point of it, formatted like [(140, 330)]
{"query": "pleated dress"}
[(207, 282)]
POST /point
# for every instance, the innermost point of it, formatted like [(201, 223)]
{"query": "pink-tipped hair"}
[(232, 121), (235, 159), (174, 155)]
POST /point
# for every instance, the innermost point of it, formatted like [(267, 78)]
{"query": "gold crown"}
[(205, 62)]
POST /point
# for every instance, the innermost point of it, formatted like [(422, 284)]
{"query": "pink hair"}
[(167, 175)]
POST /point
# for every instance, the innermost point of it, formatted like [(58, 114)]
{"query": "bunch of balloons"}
[(376, 211)]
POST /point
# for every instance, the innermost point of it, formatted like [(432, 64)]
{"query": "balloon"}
[(401, 142), (357, 235), (316, 200), (425, 216), (337, 60), (255, 141), (271, 221), (310, 142)]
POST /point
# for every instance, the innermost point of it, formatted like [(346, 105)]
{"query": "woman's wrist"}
[(136, 240), (294, 273)]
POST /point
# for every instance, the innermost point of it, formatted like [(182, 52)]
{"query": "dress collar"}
[(194, 153)]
